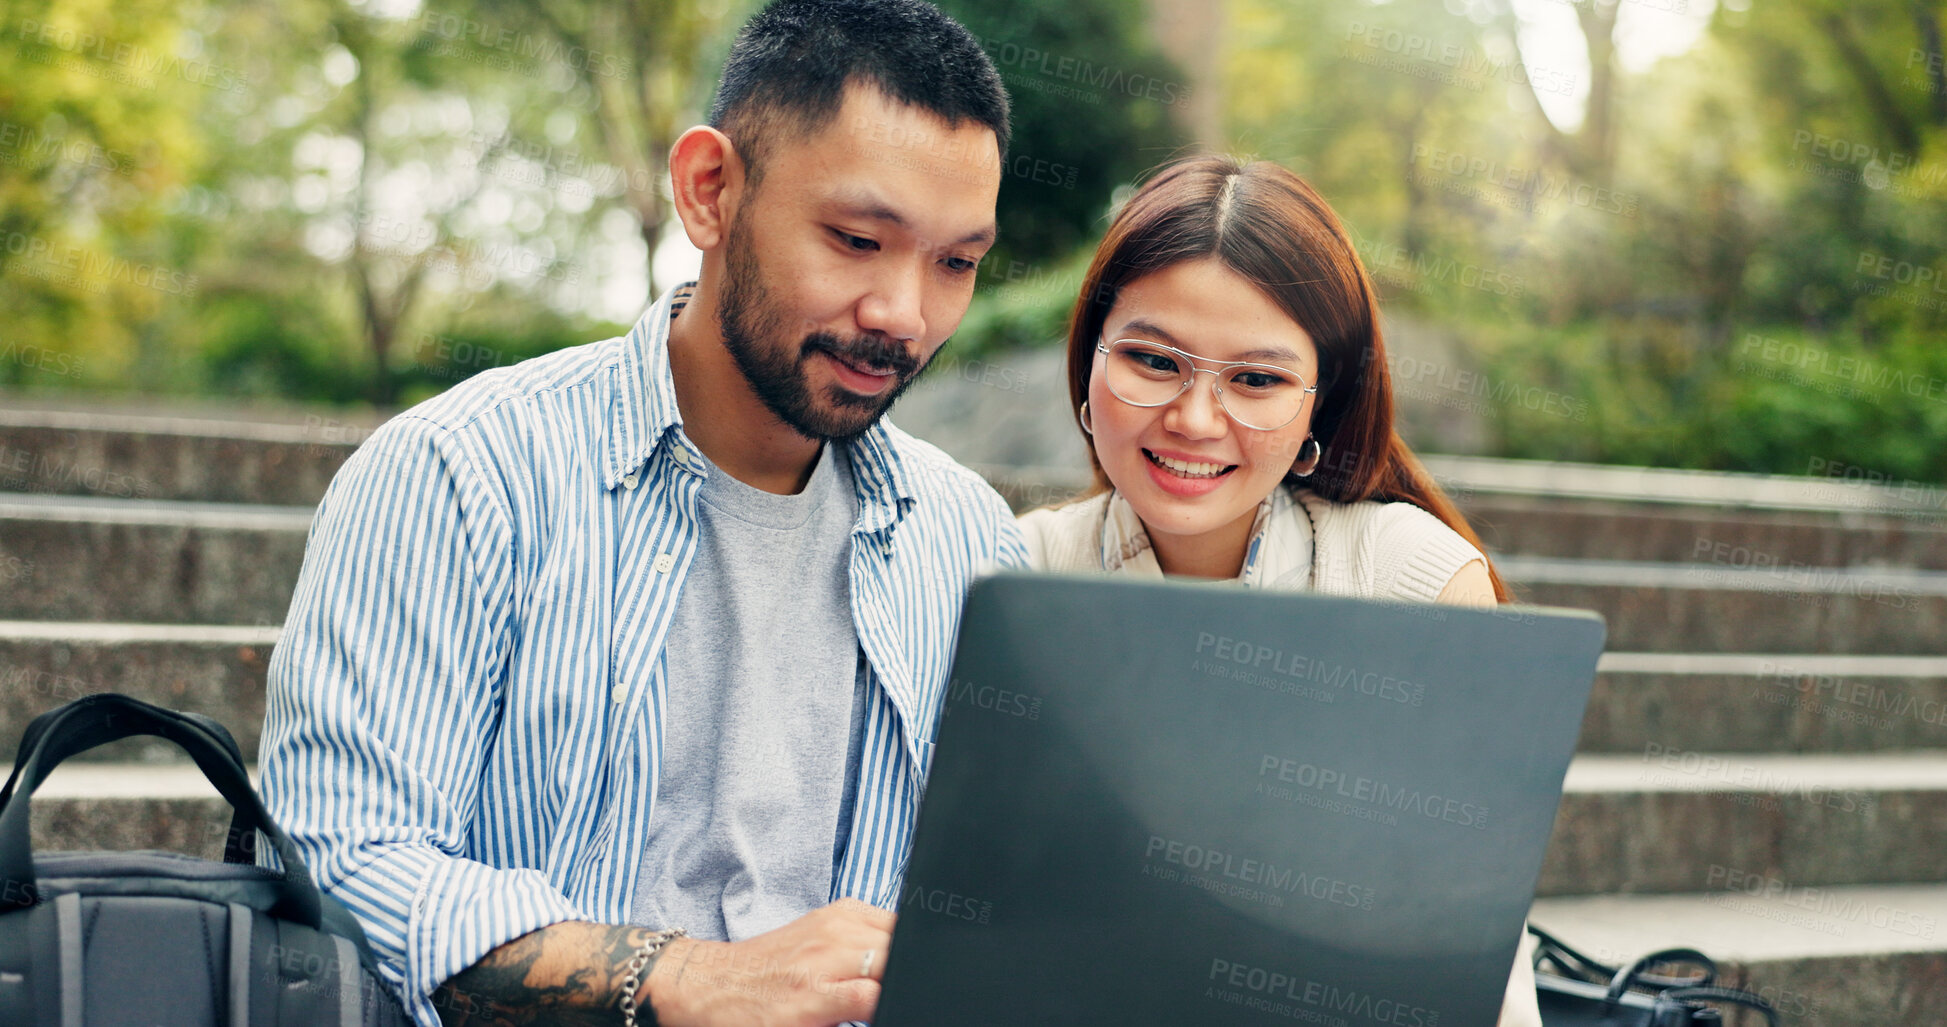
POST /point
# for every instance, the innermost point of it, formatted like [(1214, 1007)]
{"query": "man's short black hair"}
[(788, 70)]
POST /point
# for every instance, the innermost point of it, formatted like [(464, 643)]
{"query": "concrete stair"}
[(1762, 771)]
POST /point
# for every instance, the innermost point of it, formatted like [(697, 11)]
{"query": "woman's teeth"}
[(1187, 470)]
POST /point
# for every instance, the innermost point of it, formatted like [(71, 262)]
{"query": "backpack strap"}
[(106, 717)]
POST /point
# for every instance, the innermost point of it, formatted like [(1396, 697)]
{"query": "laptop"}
[(1178, 803)]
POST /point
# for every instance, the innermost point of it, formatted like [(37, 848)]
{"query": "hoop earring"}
[(1307, 464), (1082, 416)]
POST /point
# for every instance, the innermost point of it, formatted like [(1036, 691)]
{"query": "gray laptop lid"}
[(1167, 803)]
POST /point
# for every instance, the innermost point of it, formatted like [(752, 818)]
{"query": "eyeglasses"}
[(1149, 374)]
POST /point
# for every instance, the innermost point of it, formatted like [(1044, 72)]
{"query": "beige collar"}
[(1279, 558)]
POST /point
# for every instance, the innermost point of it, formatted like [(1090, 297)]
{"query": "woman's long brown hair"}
[(1267, 225)]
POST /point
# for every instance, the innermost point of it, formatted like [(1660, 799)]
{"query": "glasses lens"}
[(1145, 375), (1263, 396)]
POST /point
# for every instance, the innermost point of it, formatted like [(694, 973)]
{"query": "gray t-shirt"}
[(766, 701)]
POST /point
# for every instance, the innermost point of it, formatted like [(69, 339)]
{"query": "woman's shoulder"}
[(1386, 549), (1065, 537)]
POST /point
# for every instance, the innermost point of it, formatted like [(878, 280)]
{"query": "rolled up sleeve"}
[(384, 692)]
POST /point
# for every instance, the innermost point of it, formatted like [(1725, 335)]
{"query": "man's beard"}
[(750, 322)]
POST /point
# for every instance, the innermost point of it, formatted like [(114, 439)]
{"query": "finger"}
[(864, 911), (844, 1001)]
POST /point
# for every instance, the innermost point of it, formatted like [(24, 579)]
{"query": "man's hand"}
[(812, 972)]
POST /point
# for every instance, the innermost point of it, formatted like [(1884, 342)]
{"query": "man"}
[(653, 633)]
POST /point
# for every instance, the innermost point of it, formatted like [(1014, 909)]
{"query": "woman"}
[(1226, 369)]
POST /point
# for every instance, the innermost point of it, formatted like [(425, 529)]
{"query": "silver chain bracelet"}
[(633, 982)]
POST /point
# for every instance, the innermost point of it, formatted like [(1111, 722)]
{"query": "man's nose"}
[(893, 307)]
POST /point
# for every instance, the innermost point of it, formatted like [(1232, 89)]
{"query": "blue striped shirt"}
[(467, 703)]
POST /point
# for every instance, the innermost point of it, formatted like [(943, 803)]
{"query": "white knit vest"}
[(1301, 543)]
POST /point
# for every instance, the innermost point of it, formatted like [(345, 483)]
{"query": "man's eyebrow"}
[(1147, 327), (858, 203)]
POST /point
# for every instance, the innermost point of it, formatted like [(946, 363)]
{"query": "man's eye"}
[(960, 265), (858, 243)]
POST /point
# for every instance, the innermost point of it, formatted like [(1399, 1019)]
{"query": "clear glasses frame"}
[(1221, 373)]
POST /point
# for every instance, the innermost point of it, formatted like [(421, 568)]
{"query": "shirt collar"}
[(1279, 557), (644, 411)]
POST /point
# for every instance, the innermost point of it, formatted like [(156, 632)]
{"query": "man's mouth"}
[(1188, 469), (865, 367)]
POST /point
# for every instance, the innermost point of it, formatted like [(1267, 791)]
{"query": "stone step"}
[(1668, 822), (1554, 526), (73, 558), (1524, 507), (1735, 702), (1680, 701), (1824, 957), (1685, 607), (148, 561), (1677, 820), (125, 806), (171, 457), (216, 671), (1803, 702)]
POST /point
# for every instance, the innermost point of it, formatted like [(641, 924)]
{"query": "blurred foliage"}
[(1732, 259), (1707, 268), (1093, 103)]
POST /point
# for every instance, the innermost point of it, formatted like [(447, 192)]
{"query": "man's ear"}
[(706, 174)]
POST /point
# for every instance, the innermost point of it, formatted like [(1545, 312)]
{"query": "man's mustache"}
[(865, 351)]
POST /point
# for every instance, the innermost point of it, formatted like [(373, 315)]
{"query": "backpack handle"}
[(93, 720)]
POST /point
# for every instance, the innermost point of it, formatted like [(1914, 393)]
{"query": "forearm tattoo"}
[(568, 974)]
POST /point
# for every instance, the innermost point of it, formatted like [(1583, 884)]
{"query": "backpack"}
[(119, 939)]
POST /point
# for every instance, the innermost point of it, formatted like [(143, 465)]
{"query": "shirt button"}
[(619, 693), (629, 480), (665, 562)]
